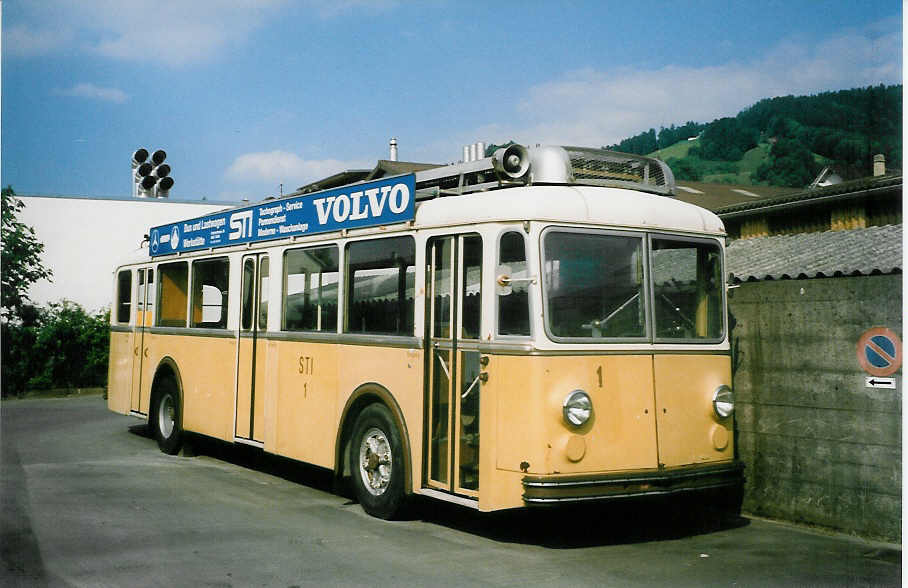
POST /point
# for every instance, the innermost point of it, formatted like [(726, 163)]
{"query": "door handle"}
[(135, 352), (146, 352)]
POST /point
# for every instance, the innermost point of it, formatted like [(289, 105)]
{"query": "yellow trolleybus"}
[(543, 326)]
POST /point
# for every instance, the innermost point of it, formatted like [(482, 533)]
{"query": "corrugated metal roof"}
[(874, 250)]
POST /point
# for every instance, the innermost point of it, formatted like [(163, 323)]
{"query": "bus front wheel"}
[(165, 417), (377, 462)]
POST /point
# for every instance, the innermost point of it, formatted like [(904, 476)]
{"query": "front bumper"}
[(542, 490)]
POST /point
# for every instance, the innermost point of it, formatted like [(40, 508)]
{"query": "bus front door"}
[(250, 392), (145, 295), (453, 280)]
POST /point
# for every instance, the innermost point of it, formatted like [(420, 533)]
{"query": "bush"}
[(60, 346)]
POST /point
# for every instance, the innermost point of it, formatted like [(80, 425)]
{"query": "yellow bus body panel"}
[(523, 430), (305, 403), (207, 375), (689, 430), (119, 374), (531, 429)]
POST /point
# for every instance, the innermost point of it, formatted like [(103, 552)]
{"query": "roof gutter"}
[(806, 202)]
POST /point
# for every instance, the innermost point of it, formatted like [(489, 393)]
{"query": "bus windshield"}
[(595, 287)]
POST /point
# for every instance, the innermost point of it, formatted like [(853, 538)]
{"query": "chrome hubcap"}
[(166, 416), (375, 461)]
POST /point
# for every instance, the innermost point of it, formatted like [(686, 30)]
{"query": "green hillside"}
[(783, 141)]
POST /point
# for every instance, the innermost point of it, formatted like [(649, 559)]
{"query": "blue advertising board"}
[(382, 202)]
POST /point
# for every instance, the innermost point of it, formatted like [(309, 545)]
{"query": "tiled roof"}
[(804, 197), (874, 250)]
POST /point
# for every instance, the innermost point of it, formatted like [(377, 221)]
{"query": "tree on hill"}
[(790, 164), (20, 257), (727, 140), (649, 141), (847, 127)]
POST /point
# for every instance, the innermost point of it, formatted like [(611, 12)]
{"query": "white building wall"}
[(85, 238)]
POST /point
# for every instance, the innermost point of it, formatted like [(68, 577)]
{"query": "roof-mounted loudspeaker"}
[(511, 162)]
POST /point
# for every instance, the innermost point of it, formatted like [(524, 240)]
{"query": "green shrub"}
[(60, 346)]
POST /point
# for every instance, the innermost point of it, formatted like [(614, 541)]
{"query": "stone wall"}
[(820, 447)]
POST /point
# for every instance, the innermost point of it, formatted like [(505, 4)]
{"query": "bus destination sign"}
[(382, 202)]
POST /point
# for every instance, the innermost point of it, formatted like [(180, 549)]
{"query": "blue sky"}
[(246, 95)]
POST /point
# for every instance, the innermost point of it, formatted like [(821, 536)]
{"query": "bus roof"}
[(613, 207)]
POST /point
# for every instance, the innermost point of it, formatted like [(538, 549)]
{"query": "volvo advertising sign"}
[(382, 202)]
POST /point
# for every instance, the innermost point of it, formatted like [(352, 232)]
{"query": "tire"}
[(165, 417), (377, 463)]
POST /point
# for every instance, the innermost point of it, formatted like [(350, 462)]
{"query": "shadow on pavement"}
[(563, 527), (592, 524), (253, 458)]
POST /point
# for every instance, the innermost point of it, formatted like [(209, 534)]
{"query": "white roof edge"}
[(606, 206)]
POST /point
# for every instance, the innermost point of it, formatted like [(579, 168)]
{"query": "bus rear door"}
[(145, 295)]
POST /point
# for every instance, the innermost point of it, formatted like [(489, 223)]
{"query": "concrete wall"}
[(820, 447)]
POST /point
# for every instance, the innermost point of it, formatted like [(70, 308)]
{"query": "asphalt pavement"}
[(88, 500)]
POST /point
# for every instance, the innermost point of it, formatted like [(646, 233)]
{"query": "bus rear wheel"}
[(165, 417), (377, 463)]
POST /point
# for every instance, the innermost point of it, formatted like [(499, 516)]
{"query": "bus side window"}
[(124, 295), (379, 283), (209, 293), (514, 308), (174, 278), (264, 281), (310, 289), (149, 303), (472, 287)]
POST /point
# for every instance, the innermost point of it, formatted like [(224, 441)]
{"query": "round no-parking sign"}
[(880, 352)]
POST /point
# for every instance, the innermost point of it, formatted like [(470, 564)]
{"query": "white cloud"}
[(91, 91), (169, 32), (22, 41), (599, 107), (282, 167)]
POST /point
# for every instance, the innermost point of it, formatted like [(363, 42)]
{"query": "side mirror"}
[(730, 284), (503, 280)]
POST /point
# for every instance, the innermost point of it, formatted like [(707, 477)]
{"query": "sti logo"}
[(240, 225)]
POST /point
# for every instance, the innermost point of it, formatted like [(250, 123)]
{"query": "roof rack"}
[(517, 165)]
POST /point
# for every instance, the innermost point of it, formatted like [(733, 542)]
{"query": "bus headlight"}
[(577, 408), (723, 401)]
